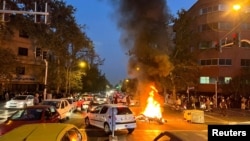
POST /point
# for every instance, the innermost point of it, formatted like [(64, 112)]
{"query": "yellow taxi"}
[(45, 132)]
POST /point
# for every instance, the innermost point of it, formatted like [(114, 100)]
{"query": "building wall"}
[(222, 36), (33, 76)]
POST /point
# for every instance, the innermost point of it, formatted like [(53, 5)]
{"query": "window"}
[(20, 70), (23, 34), (209, 9), (227, 80), (207, 80), (225, 25), (123, 111), (209, 62), (225, 62), (104, 110), (245, 26), (23, 51), (204, 80), (205, 45), (245, 62), (223, 7), (203, 62)]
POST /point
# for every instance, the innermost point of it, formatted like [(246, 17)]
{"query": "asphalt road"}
[(149, 130)]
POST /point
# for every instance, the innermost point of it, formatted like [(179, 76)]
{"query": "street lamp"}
[(82, 64), (237, 24), (236, 7)]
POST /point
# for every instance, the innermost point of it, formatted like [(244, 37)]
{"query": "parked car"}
[(20, 101), (30, 115), (62, 106), (45, 132), (106, 116)]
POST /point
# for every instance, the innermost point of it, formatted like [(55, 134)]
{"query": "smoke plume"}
[(144, 35), (144, 28)]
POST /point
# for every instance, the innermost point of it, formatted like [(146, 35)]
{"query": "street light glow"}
[(83, 64), (236, 7)]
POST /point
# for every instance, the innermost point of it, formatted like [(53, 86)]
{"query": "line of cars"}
[(47, 112), (110, 117)]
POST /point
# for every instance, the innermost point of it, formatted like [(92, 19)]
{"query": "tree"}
[(93, 80), (238, 85), (7, 63), (65, 40), (185, 71)]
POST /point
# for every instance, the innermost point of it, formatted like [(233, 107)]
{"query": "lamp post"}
[(45, 79), (216, 93), (237, 24)]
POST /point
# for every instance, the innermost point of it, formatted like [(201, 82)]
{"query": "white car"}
[(72, 102), (20, 101), (111, 117), (62, 106)]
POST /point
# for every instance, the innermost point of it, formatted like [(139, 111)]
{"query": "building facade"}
[(223, 43), (29, 71)]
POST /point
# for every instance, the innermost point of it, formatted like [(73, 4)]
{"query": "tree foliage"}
[(93, 80), (183, 57), (65, 41), (7, 63)]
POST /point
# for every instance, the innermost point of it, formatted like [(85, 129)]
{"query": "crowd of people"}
[(208, 103)]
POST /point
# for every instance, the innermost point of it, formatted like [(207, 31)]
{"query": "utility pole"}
[(216, 93), (44, 13), (45, 79)]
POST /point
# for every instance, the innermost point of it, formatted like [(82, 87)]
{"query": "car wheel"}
[(130, 130), (107, 129), (87, 123)]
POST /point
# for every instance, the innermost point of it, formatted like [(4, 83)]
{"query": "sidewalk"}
[(234, 116)]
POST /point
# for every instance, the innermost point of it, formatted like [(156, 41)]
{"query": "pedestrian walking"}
[(223, 107)]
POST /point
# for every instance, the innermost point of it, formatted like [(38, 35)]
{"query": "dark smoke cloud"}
[(144, 35)]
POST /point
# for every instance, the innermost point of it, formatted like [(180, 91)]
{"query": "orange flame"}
[(153, 108)]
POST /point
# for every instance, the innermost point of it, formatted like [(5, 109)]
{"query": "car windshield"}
[(52, 103), (27, 114), (20, 97)]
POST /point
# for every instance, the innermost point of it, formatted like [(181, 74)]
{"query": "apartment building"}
[(30, 68), (224, 41)]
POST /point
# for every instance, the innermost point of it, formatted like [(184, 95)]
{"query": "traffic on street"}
[(174, 125)]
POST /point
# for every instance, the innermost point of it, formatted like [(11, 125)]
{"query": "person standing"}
[(7, 97), (208, 106), (36, 99), (223, 107)]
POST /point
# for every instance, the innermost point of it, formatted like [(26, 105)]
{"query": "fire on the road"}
[(153, 108)]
